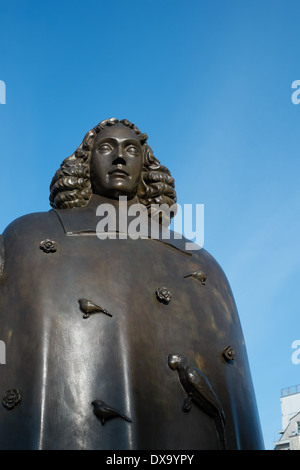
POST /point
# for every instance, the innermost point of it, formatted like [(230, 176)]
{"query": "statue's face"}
[(116, 162)]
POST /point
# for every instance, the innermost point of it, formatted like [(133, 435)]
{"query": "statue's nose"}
[(119, 156), (120, 151)]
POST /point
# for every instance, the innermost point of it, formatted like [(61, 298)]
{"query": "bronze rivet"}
[(163, 295), (48, 246), (228, 354)]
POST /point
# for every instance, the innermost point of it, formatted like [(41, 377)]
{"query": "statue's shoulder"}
[(35, 222), (25, 227), (198, 255), (2, 256), (204, 262), (203, 256)]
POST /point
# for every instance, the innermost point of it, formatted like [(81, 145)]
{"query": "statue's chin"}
[(114, 195), (115, 190)]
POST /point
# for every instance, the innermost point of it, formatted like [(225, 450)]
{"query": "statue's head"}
[(113, 160)]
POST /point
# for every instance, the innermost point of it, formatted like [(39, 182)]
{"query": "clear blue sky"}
[(210, 82)]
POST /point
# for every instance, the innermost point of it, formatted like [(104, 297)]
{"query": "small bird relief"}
[(105, 412), (90, 308), (198, 275), (199, 392)]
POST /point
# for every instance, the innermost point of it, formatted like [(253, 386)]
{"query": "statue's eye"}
[(105, 148), (132, 149)]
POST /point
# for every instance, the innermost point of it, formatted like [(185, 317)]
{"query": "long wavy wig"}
[(71, 185)]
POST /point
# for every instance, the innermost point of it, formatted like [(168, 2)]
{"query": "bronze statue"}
[(117, 343)]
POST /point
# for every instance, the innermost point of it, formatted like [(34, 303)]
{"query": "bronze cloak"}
[(60, 361)]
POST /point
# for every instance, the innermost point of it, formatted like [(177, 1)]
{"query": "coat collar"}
[(83, 221)]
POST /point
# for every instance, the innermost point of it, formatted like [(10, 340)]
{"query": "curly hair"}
[(71, 185)]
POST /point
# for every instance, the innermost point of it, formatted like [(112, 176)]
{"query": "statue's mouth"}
[(118, 171)]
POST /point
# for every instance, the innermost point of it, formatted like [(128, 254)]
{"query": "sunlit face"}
[(116, 162)]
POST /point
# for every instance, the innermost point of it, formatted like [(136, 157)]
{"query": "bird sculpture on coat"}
[(200, 392), (105, 412), (89, 308)]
